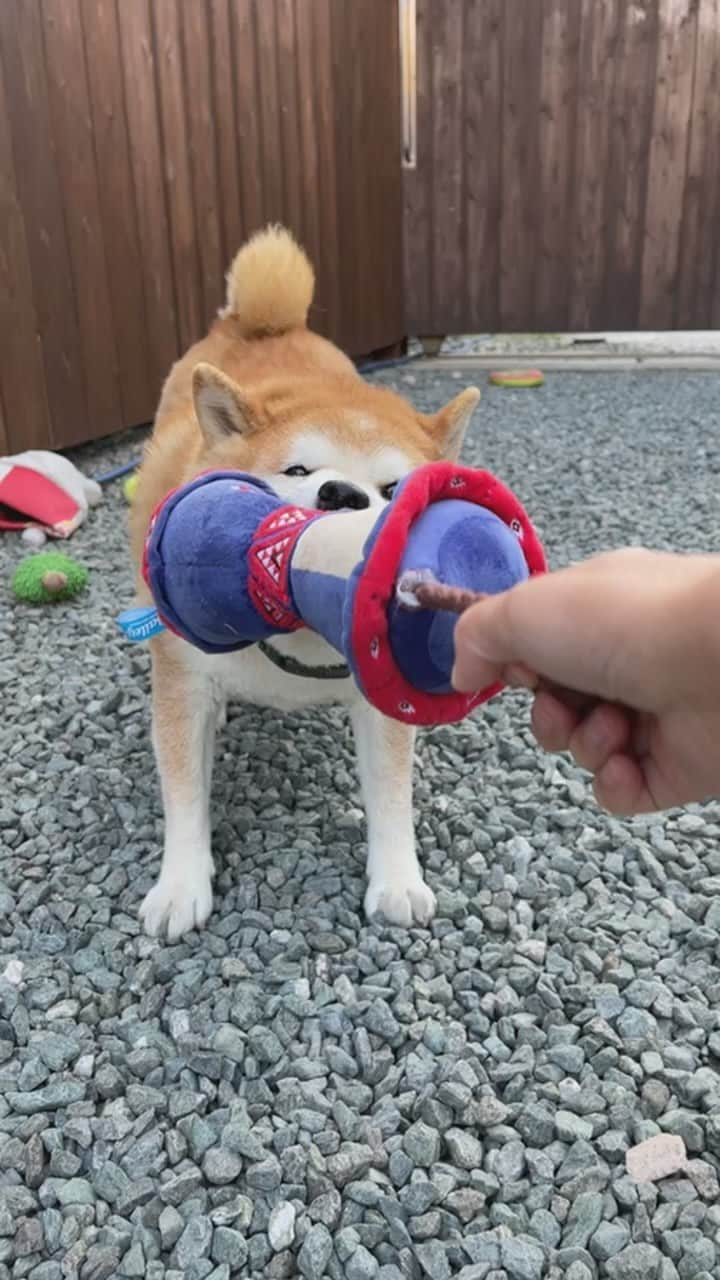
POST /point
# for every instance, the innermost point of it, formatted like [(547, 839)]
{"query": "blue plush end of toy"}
[(461, 545), (197, 560)]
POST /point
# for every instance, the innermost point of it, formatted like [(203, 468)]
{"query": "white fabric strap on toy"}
[(334, 544)]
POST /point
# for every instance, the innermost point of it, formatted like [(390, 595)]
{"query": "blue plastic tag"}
[(140, 624)]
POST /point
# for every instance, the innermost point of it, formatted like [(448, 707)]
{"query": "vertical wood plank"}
[(715, 298), (482, 148), (22, 375), (171, 88), (383, 258), (4, 437), (367, 108), (225, 116), (329, 304), (448, 265), (117, 208), (203, 155), (699, 252), (138, 61), (667, 162), (246, 113), (347, 92), (289, 115), (268, 109), (519, 225), (587, 242), (417, 188), (69, 98), (710, 30), (41, 203), (378, 172), (556, 144), (388, 117), (308, 129), (630, 129)]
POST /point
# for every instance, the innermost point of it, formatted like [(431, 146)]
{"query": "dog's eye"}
[(388, 490), (297, 470)]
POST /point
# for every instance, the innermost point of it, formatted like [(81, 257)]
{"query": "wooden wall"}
[(140, 142), (568, 173), (568, 177)]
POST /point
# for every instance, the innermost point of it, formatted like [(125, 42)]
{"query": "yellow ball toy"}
[(130, 487)]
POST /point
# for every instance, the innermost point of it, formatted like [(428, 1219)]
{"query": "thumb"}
[(484, 644)]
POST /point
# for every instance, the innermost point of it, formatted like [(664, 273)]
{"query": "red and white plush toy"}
[(43, 494)]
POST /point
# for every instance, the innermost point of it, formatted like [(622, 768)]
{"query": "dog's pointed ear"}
[(448, 426), (222, 409)]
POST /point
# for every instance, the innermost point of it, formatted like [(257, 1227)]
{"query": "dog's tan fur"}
[(259, 387)]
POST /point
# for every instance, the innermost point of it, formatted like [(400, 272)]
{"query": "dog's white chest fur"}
[(250, 676)]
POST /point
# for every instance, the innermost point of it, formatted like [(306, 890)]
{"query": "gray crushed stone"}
[(296, 1092)]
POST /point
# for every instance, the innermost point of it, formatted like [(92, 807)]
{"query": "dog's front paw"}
[(173, 907), (402, 902)]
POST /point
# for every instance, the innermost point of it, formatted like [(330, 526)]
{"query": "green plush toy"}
[(48, 577)]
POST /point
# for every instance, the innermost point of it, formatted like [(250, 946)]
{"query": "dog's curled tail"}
[(270, 284)]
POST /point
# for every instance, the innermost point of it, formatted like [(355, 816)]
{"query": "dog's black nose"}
[(337, 495)]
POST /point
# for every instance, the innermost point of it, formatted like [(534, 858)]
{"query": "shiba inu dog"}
[(263, 394)]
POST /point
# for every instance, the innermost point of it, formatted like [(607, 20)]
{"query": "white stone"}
[(281, 1226), (13, 972), (658, 1157)]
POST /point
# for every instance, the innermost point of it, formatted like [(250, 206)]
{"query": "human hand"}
[(623, 655)]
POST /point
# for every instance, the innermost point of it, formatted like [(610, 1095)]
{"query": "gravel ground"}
[(702, 342), (294, 1092)]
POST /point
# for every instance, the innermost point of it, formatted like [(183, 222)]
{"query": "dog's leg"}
[(385, 761), (184, 716)]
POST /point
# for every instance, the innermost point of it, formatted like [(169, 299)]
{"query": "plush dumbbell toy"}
[(229, 563)]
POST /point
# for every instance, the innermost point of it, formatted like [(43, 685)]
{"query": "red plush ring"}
[(380, 677)]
